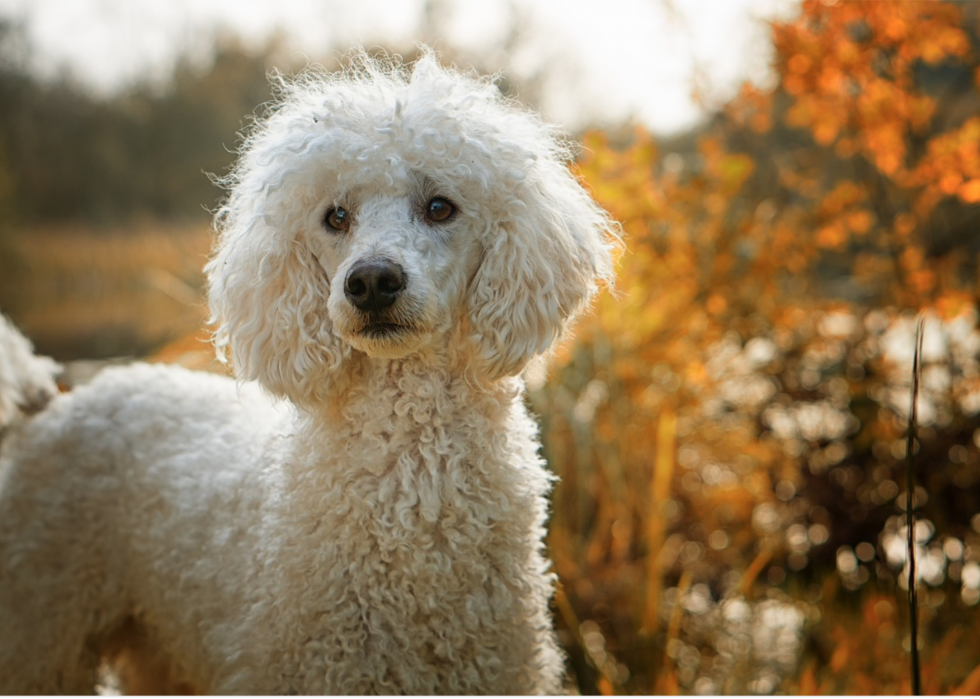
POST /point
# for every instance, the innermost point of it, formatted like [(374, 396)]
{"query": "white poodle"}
[(397, 245)]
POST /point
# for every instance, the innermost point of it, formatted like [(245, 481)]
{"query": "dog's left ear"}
[(541, 265)]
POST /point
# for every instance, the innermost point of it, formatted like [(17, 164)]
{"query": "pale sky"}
[(602, 60)]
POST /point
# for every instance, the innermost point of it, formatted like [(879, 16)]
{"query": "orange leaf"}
[(950, 183), (859, 221), (970, 191), (832, 236), (716, 304)]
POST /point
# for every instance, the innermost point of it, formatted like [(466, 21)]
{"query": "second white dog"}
[(397, 246)]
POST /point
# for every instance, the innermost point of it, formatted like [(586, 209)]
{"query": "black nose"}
[(373, 285)]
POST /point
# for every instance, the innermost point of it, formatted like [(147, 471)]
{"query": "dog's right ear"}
[(268, 299)]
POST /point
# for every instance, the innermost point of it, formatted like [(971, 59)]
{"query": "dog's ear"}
[(541, 265), (268, 299)]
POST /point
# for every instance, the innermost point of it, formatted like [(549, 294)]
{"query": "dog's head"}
[(387, 212)]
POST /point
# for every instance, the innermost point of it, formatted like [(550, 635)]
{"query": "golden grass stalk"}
[(663, 470)]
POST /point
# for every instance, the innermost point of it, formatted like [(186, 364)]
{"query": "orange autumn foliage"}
[(764, 264)]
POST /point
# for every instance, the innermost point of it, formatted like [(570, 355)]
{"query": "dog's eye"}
[(337, 219), (439, 210)]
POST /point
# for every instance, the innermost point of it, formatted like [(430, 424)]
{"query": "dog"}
[(362, 509)]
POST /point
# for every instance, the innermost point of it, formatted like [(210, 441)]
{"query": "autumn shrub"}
[(729, 427)]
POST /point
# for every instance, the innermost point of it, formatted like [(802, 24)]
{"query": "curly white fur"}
[(380, 529), (26, 380)]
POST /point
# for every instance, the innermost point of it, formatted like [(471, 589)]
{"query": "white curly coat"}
[(375, 528)]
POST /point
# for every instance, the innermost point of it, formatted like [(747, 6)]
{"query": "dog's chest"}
[(420, 556)]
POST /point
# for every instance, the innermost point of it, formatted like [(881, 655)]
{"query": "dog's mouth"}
[(386, 338), (382, 329)]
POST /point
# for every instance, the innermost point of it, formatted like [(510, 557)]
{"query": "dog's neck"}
[(435, 378), (411, 392), (406, 408)]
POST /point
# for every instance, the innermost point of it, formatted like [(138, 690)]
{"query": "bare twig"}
[(910, 514)]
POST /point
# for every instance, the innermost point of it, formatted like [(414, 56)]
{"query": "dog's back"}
[(118, 501)]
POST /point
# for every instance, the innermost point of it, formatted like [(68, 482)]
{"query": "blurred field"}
[(83, 292)]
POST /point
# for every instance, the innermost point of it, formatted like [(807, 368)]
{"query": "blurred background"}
[(798, 182)]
